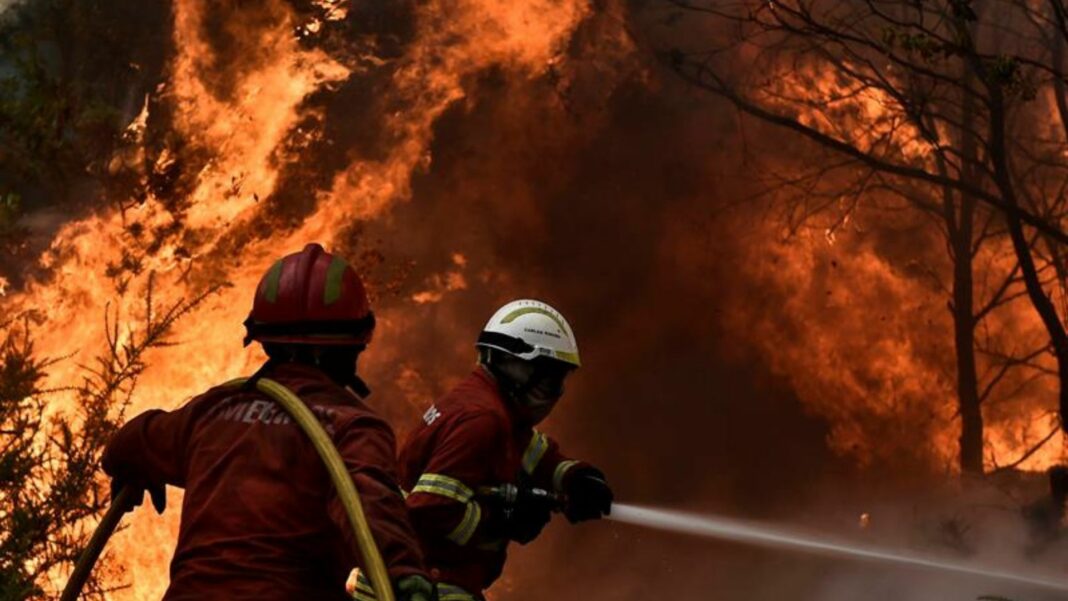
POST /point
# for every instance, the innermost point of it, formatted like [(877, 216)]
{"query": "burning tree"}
[(944, 106), (51, 493)]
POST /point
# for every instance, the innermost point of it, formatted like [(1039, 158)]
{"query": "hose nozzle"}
[(510, 493)]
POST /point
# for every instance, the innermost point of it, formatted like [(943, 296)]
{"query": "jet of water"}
[(742, 531)]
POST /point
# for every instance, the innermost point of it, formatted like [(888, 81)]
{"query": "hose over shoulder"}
[(335, 466)]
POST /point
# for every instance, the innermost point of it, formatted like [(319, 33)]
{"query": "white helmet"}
[(528, 329)]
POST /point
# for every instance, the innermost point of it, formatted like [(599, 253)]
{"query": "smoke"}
[(718, 527)]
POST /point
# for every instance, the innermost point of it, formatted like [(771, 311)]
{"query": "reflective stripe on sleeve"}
[(363, 591), (437, 484), (446, 592), (535, 450), (467, 526), (492, 545), (560, 472)]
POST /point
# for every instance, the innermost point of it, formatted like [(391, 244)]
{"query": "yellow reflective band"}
[(444, 486), (535, 450), (448, 592), (493, 545), (528, 310), (560, 472), (273, 279), (335, 273), (568, 357), (467, 526), (363, 592)]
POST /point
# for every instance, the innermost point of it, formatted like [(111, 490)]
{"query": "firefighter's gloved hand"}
[(521, 517), (588, 495), (415, 588), (158, 493), (530, 513)]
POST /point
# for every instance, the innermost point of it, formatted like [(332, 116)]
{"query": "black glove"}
[(521, 513), (588, 495), (158, 493), (415, 588)]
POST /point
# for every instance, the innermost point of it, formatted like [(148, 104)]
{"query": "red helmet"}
[(311, 297)]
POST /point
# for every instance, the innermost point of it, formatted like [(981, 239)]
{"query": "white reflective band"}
[(560, 472), (437, 484), (535, 451), (467, 526)]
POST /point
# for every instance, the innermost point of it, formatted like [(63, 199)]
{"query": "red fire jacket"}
[(260, 518), (469, 441)]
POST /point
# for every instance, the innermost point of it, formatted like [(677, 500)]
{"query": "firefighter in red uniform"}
[(478, 474), (260, 518)]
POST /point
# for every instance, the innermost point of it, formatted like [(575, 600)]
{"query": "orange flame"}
[(866, 377), (244, 131)]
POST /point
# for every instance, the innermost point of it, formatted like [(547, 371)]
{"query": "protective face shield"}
[(536, 385)]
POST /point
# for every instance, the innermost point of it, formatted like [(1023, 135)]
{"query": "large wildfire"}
[(471, 151)]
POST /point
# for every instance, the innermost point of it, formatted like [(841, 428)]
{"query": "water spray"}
[(730, 529)]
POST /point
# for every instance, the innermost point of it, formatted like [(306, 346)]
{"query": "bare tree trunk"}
[(959, 235), (964, 318), (960, 229), (970, 404)]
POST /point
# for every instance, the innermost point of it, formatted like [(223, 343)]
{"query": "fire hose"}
[(335, 466), (766, 535)]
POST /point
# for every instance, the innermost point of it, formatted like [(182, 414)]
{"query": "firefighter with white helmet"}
[(478, 474), (530, 349)]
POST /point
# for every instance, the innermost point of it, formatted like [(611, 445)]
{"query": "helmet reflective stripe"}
[(528, 329), (527, 310), (274, 276), (333, 280)]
